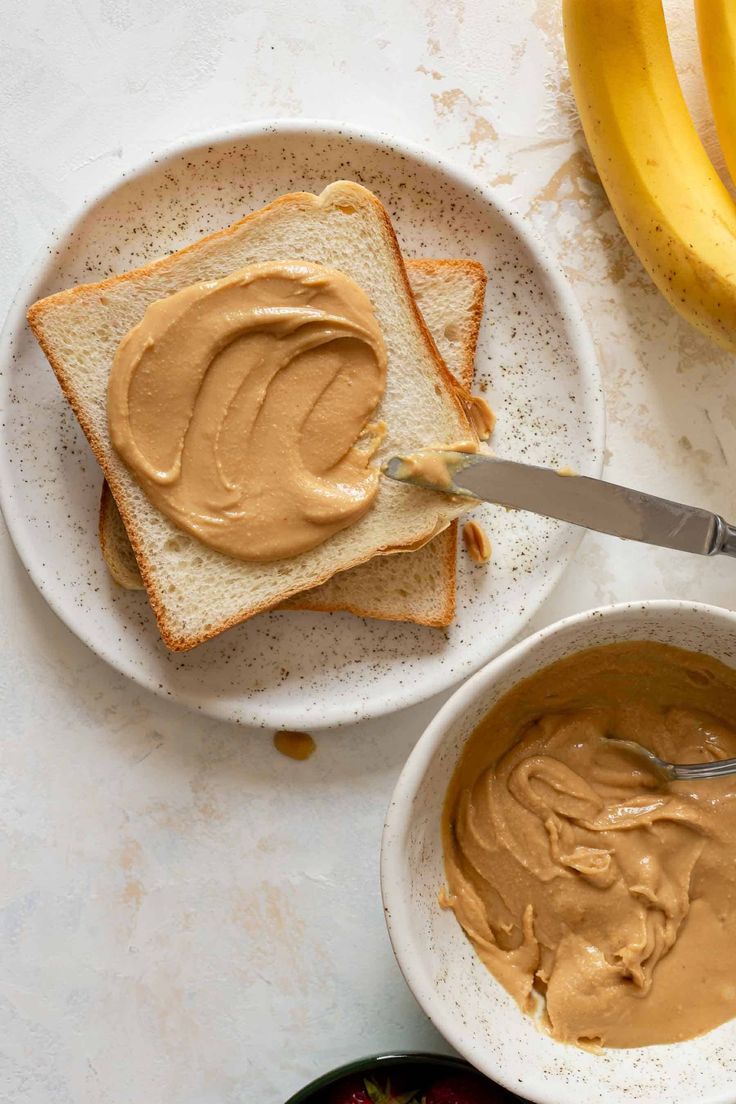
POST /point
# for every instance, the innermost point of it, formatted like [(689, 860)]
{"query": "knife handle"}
[(725, 541)]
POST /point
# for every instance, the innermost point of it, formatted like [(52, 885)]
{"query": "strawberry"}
[(359, 1091), (462, 1088), (352, 1091)]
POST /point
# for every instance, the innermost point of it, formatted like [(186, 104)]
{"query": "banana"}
[(668, 198), (717, 35)]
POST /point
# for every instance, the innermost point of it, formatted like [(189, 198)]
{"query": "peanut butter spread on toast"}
[(242, 407)]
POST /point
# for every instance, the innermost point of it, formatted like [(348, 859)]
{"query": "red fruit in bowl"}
[(462, 1088), (351, 1091), (357, 1090)]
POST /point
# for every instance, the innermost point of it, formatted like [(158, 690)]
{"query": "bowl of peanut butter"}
[(564, 915)]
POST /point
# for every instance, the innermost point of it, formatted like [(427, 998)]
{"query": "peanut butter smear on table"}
[(600, 898), (242, 405), (295, 745)]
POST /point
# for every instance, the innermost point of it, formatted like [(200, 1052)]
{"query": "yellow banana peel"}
[(716, 21), (668, 198)]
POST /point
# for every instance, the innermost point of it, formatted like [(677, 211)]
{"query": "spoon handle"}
[(688, 771)]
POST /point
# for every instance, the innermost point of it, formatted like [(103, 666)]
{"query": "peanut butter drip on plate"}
[(482, 418), (602, 900), (242, 406)]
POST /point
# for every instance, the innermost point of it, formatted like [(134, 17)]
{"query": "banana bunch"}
[(717, 35), (668, 198)]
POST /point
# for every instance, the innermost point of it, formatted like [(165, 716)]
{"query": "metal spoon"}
[(679, 772)]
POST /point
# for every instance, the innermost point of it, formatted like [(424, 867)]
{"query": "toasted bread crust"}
[(434, 266), (128, 575), (447, 539), (36, 313), (123, 568)]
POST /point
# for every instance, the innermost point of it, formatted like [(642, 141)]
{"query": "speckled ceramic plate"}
[(303, 669)]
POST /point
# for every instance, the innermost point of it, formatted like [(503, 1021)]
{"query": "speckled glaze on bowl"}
[(304, 670), (466, 1004)]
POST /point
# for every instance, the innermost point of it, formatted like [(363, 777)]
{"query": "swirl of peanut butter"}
[(598, 896), (242, 405)]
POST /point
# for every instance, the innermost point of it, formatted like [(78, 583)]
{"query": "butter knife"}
[(578, 499)]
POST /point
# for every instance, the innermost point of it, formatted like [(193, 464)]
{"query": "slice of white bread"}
[(418, 586), (196, 592), (409, 586)]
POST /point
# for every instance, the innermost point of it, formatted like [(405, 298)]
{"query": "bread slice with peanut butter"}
[(197, 592), (411, 586)]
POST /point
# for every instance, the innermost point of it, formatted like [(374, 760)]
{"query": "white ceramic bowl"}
[(466, 1004)]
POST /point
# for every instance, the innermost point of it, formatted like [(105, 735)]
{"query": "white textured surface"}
[(184, 915)]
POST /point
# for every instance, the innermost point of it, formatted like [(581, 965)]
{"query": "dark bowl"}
[(384, 1063)]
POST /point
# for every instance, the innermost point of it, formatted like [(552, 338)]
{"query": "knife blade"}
[(578, 499)]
